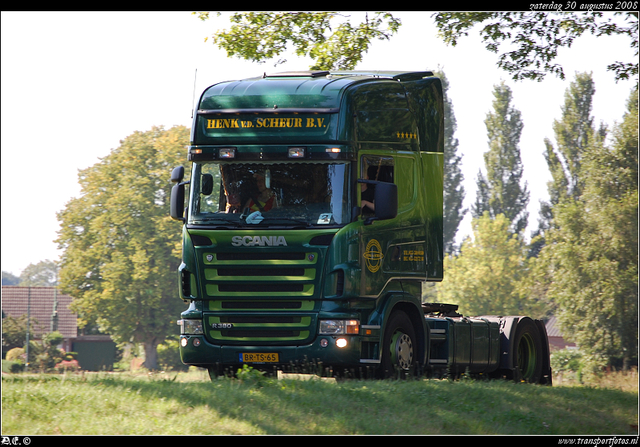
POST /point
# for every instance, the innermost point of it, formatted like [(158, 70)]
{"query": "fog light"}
[(324, 343), (341, 342), (196, 342)]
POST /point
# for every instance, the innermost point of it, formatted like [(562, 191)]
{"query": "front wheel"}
[(399, 347)]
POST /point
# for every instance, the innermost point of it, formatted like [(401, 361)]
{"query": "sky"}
[(74, 84)]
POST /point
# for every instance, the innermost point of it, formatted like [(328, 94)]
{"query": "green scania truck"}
[(312, 223)]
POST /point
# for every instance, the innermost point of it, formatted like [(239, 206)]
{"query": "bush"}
[(67, 366), (12, 367), (169, 356), (16, 355), (566, 360), (568, 363)]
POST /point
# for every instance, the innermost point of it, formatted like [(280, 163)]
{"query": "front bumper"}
[(195, 350)]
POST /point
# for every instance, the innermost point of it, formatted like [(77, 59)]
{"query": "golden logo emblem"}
[(373, 255)]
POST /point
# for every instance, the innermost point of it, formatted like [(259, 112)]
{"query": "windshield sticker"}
[(324, 219)]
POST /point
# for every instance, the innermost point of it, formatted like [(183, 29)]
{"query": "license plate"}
[(259, 357)]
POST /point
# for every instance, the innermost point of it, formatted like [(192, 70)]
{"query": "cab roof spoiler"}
[(394, 75)]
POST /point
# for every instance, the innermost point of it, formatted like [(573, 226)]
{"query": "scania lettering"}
[(311, 223), (252, 241)]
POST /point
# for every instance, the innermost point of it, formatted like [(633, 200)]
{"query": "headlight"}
[(192, 327), (339, 327)]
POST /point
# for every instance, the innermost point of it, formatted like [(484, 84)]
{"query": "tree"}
[(9, 279), (500, 191), (43, 274), (537, 36), (120, 247), (592, 251), (453, 177), (487, 276), (259, 36), (14, 331), (50, 354), (573, 132)]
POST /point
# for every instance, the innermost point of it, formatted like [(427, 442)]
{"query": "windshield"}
[(246, 194)]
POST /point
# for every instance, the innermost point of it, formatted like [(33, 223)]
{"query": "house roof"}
[(16, 300), (553, 328)]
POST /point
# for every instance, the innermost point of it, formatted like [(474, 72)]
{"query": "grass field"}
[(190, 404)]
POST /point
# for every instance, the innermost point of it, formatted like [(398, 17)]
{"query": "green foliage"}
[(592, 253), (536, 37), (573, 132), (500, 192), (260, 36), (9, 279), (120, 247), (15, 367), (15, 355), (169, 356), (250, 376), (453, 189), (567, 362), (44, 273), (14, 331), (49, 355), (488, 275)]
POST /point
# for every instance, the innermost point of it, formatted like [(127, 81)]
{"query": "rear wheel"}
[(528, 355), (399, 346)]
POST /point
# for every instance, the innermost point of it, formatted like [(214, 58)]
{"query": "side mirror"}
[(206, 186), (177, 174), (176, 208), (177, 202), (386, 200)]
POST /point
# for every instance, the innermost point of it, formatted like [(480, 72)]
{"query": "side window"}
[(406, 184), (209, 199), (376, 168)]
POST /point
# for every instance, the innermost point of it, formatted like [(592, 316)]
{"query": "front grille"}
[(239, 271), (261, 305), (260, 273), (242, 256), (261, 319), (257, 288), (256, 334), (280, 326), (261, 295)]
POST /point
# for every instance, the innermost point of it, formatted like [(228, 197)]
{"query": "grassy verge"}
[(189, 404)]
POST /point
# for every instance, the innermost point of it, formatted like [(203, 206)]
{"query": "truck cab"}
[(313, 218)]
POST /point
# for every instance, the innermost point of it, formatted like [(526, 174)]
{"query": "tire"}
[(528, 355), (399, 348)]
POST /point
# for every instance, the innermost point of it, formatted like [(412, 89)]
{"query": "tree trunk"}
[(151, 354)]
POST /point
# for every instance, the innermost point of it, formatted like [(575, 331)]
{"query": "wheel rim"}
[(402, 350), (527, 357)]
